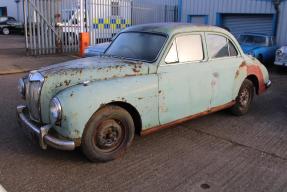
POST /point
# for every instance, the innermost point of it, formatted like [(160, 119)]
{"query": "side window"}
[(172, 54), (232, 50), (217, 46), (189, 48)]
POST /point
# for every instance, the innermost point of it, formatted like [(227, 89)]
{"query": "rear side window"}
[(219, 46), (189, 48)]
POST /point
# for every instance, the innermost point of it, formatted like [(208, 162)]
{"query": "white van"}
[(103, 21)]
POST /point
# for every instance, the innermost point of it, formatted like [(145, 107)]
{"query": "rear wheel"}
[(108, 134), (244, 98)]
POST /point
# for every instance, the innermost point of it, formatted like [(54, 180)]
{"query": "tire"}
[(5, 31), (108, 134), (244, 98)]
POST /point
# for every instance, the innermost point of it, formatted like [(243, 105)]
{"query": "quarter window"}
[(232, 50), (189, 48)]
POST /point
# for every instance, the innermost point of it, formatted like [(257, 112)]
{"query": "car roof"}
[(173, 28)]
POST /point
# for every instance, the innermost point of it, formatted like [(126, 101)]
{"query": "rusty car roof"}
[(173, 28)]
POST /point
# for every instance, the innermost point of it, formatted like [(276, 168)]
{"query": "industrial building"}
[(239, 16), (260, 16)]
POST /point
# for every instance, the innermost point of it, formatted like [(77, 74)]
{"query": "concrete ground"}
[(219, 152), (13, 57)]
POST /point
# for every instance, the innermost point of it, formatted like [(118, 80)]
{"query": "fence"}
[(53, 26)]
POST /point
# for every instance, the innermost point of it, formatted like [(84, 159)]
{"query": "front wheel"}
[(244, 98), (108, 134), (5, 31)]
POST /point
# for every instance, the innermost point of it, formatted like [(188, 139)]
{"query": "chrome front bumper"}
[(281, 63), (42, 132)]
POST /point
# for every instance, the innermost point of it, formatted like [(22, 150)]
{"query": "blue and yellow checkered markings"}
[(106, 23)]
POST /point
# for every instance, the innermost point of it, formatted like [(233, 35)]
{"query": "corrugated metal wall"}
[(212, 7), (238, 23), (282, 28), (150, 11)]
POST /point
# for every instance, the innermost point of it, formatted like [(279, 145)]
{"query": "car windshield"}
[(137, 46), (252, 39), (3, 19)]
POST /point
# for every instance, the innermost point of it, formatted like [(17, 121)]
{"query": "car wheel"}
[(5, 31), (244, 98), (108, 134)]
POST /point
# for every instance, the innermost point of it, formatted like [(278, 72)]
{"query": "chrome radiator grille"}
[(33, 91)]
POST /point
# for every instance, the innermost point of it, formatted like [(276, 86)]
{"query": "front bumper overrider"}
[(41, 133)]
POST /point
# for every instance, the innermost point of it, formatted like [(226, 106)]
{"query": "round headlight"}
[(279, 52), (55, 110), (21, 87)]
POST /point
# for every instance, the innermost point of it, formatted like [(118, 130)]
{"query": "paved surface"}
[(219, 152), (13, 57)]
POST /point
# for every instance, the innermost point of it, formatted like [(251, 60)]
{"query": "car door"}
[(184, 78), (225, 60)]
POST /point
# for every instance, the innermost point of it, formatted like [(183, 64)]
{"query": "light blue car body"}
[(155, 93), (96, 50)]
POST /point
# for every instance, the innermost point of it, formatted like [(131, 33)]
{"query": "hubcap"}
[(109, 135), (5, 31), (244, 97)]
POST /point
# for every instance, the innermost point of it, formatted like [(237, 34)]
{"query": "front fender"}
[(80, 102)]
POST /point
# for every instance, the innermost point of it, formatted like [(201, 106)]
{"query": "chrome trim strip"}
[(268, 84), (42, 132), (36, 76)]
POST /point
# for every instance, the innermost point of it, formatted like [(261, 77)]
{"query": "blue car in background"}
[(96, 50), (260, 46)]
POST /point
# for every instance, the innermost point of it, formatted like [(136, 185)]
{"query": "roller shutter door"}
[(239, 23)]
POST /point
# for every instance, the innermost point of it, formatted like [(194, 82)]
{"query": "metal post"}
[(25, 23), (82, 15)]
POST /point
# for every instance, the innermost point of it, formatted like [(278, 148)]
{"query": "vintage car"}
[(260, 46), (10, 25), (151, 77), (281, 56), (96, 50)]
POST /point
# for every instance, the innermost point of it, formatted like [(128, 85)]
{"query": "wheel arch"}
[(132, 111), (254, 79)]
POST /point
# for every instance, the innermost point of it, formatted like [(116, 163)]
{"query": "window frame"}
[(173, 40), (150, 62), (115, 7), (229, 39)]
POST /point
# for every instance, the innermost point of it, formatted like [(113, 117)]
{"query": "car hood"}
[(247, 48), (61, 76), (95, 68)]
